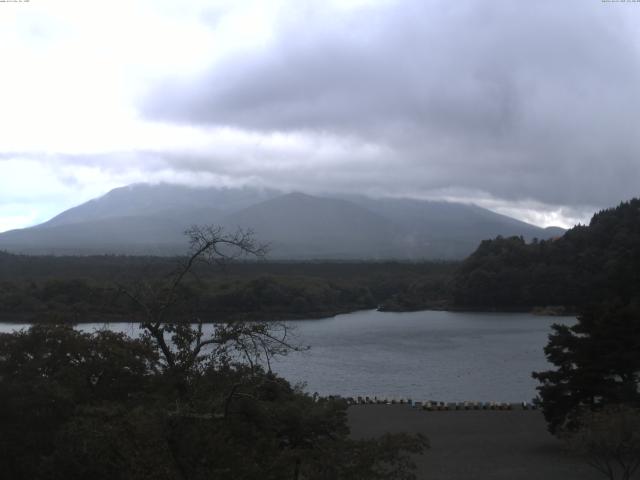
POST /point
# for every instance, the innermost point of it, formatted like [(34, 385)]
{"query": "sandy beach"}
[(467, 445)]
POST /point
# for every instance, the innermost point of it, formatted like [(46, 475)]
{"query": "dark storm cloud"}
[(523, 100)]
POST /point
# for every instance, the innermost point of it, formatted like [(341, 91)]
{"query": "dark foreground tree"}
[(609, 440), (597, 364), (181, 402)]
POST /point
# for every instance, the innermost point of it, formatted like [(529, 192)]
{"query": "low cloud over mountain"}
[(146, 219)]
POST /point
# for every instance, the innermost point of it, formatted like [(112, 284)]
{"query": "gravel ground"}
[(504, 445)]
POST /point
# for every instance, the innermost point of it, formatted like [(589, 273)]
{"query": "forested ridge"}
[(588, 264)]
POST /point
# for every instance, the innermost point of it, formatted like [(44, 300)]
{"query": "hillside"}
[(587, 264), (453, 230), (297, 226), (150, 219), (162, 201)]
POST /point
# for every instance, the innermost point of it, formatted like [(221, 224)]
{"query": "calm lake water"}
[(448, 356)]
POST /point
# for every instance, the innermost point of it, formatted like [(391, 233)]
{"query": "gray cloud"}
[(522, 100)]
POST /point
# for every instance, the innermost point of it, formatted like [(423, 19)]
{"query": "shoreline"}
[(29, 318)]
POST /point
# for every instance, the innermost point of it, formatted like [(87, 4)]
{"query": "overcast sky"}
[(531, 108)]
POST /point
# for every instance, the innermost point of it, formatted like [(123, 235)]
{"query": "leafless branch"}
[(183, 344)]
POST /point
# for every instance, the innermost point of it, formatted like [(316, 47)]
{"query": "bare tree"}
[(181, 340)]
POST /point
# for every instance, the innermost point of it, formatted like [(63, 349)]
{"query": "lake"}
[(448, 356)]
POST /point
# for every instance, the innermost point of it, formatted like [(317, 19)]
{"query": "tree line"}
[(587, 264), (87, 289)]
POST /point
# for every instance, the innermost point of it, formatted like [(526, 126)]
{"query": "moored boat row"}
[(433, 405)]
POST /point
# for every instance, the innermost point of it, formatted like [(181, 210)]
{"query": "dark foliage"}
[(84, 289), (78, 405), (176, 403), (48, 373), (597, 364), (589, 263)]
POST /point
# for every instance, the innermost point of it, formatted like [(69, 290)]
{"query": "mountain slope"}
[(445, 229), (136, 219), (162, 200), (150, 219), (136, 235), (302, 226)]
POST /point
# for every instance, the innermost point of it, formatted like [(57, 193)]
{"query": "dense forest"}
[(84, 289), (586, 265)]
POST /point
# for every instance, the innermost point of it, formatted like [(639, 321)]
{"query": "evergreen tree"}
[(597, 364)]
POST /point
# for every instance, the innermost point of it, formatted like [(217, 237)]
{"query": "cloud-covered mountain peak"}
[(150, 219)]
